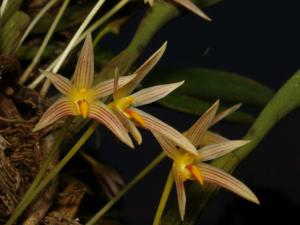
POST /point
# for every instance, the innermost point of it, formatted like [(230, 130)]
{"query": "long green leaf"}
[(197, 107), (281, 104), (208, 84), (12, 32), (10, 9)]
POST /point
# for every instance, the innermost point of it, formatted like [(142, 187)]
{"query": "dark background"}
[(258, 39)]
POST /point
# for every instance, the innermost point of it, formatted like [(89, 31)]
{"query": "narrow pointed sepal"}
[(84, 71), (61, 108), (142, 71), (214, 151), (218, 177), (225, 113), (212, 138), (62, 84), (168, 147), (193, 8), (152, 94), (100, 112), (196, 132), (180, 190), (154, 124), (106, 88)]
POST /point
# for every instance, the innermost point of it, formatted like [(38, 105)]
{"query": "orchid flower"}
[(193, 167), (189, 5), (81, 98), (125, 105)]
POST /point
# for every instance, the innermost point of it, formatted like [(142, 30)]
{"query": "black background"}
[(259, 39)]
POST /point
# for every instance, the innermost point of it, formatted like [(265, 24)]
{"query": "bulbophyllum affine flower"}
[(193, 167), (81, 98), (189, 5), (125, 105)]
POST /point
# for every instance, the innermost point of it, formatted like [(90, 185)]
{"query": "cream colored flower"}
[(81, 97), (187, 166)]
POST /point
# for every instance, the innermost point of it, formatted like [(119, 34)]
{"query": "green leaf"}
[(11, 8), (12, 32), (208, 84), (195, 106)]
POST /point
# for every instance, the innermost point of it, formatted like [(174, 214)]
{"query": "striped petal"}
[(216, 176), (196, 132), (225, 113), (106, 88), (213, 151), (61, 108), (180, 190), (116, 83), (154, 124), (152, 94), (193, 8), (62, 84), (84, 71), (212, 138), (142, 71), (129, 125), (100, 112), (168, 147)]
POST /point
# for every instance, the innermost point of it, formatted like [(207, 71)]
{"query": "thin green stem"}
[(40, 51), (72, 43), (92, 28), (164, 198), (31, 190), (36, 20), (127, 188)]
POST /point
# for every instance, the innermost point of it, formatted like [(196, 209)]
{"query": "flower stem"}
[(40, 52), (127, 188), (31, 190), (164, 198), (72, 43), (36, 20)]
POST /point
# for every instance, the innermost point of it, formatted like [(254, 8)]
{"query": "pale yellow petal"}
[(216, 176), (225, 113), (100, 112), (61, 108), (196, 132), (154, 124), (84, 71), (168, 147), (62, 84), (153, 94), (212, 138), (213, 151), (142, 71)]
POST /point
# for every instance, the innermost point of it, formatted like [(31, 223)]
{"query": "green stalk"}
[(36, 20), (31, 190), (100, 35), (164, 198), (283, 102), (40, 51), (72, 43), (127, 188)]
